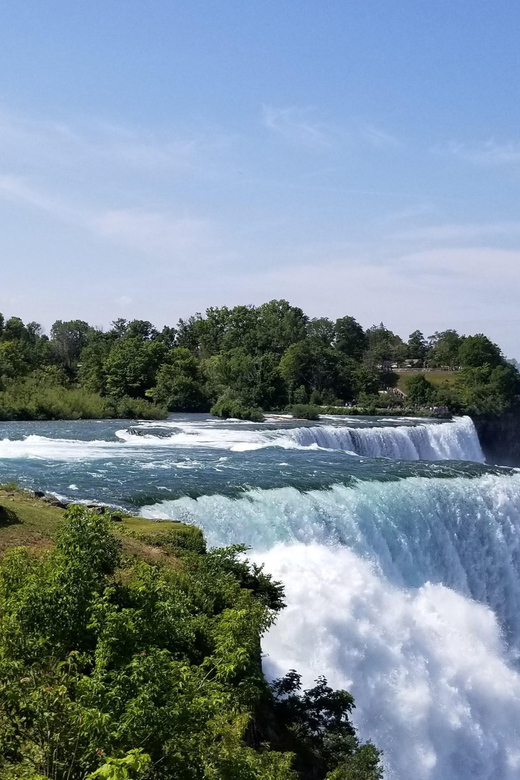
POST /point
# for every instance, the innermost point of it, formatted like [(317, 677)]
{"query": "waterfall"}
[(407, 593), (457, 440)]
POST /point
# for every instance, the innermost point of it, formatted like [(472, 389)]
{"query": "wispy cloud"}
[(162, 235), (21, 191), (124, 300), (98, 144), (489, 153), (378, 138), (303, 126), (300, 125), (466, 233)]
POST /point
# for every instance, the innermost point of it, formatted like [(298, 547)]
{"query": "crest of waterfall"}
[(456, 440)]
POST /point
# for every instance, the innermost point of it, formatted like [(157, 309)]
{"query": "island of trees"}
[(242, 360)]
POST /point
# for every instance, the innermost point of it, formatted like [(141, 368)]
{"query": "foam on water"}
[(433, 684), (462, 532), (456, 440)]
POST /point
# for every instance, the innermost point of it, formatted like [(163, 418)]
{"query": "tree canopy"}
[(257, 357)]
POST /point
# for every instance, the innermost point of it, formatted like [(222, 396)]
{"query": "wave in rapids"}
[(456, 440)]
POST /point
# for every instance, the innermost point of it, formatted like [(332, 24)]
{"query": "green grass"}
[(435, 377), (30, 522)]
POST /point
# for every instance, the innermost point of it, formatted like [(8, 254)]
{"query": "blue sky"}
[(353, 156)]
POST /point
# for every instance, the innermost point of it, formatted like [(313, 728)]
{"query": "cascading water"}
[(383, 581), (464, 533), (456, 440), (433, 683), (398, 548)]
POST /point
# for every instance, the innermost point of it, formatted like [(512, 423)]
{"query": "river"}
[(398, 547)]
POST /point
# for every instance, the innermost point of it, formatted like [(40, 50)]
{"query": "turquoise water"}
[(398, 547), (132, 464)]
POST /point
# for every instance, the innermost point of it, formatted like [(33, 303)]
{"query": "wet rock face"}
[(500, 437)]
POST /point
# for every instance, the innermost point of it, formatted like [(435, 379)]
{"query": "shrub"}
[(227, 407), (36, 399), (305, 412)]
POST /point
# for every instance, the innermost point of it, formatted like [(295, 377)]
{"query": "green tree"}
[(91, 366), (321, 331), (140, 329), (444, 349), (279, 326), (476, 351), (419, 391), (179, 383), (131, 366), (417, 346), (351, 339), (383, 348), (255, 380), (486, 389), (68, 339)]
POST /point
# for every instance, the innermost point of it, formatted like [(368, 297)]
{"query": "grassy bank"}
[(129, 651), (32, 522), (438, 378)]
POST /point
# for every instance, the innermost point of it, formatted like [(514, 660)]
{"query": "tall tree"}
[(351, 339), (69, 339)]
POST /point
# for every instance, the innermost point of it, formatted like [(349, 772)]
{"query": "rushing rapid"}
[(399, 549)]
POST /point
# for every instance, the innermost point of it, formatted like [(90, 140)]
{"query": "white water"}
[(383, 581), (433, 685), (406, 591), (455, 440)]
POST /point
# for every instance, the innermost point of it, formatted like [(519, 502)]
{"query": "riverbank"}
[(373, 411), (33, 518)]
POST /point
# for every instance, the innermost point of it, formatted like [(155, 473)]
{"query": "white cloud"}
[(299, 125), (160, 235), (487, 154), (19, 190), (378, 138), (124, 300), (100, 144), (302, 126)]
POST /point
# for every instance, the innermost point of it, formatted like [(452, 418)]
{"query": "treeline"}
[(112, 667), (239, 361)]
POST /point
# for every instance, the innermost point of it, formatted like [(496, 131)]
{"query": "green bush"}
[(35, 399), (227, 407), (305, 412)]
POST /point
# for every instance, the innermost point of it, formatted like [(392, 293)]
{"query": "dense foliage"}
[(115, 668), (240, 361)]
